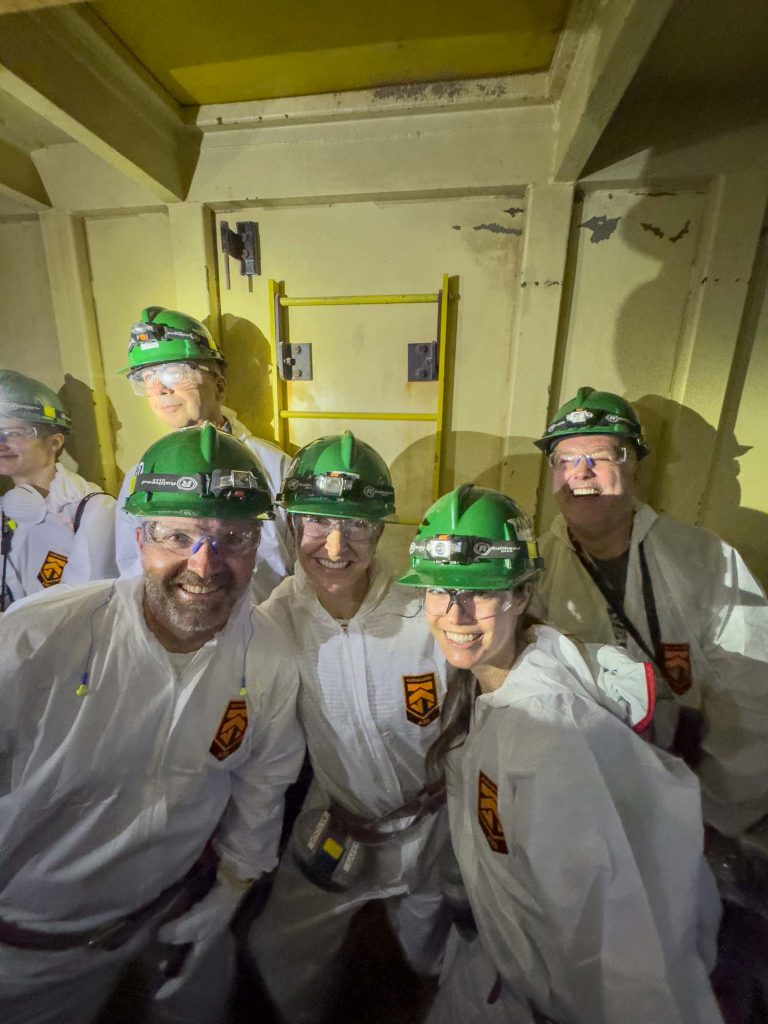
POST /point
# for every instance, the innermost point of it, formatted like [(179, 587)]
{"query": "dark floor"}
[(375, 984)]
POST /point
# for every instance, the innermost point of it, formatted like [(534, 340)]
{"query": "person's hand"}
[(198, 929)]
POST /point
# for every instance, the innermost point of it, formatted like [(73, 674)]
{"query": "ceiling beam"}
[(19, 178), (65, 65), (613, 42), (13, 6)]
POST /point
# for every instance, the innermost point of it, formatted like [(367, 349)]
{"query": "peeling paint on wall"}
[(683, 231), (456, 227), (656, 230), (602, 227), (419, 90), (514, 210), (498, 229)]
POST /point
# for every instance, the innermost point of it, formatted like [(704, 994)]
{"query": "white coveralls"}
[(707, 599), (45, 550), (367, 750), (274, 558), (580, 846), (108, 798)]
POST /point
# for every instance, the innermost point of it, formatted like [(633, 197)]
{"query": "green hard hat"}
[(25, 398), (167, 336), (594, 412), (338, 476), (201, 472), (473, 539)]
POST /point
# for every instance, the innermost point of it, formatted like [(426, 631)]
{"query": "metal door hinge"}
[(242, 245)]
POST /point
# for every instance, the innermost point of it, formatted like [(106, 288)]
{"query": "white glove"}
[(201, 926), (624, 686)]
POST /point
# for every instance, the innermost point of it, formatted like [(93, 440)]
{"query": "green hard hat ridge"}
[(594, 412), (473, 538), (200, 472), (168, 336), (341, 476), (24, 398)]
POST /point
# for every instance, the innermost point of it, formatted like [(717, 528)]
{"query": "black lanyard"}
[(6, 537), (618, 608)]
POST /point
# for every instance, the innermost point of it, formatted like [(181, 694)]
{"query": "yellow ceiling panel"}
[(205, 51)]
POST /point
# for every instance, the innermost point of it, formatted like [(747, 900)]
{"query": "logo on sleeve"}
[(231, 730), (52, 568), (488, 814), (677, 666), (421, 703)]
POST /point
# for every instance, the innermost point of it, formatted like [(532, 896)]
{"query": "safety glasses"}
[(173, 376), (228, 541), (319, 527), (475, 604), (598, 457), (17, 436)]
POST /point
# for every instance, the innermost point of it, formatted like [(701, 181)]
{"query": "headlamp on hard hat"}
[(145, 334), (234, 485), (462, 550), (334, 485)]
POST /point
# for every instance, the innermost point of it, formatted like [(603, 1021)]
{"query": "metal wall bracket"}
[(242, 245), (422, 361), (296, 362)]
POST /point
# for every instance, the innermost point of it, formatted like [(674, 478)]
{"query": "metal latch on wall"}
[(242, 245), (422, 361)]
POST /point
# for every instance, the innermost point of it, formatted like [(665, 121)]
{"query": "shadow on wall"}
[(692, 471), (468, 457), (678, 465), (82, 445), (249, 393)]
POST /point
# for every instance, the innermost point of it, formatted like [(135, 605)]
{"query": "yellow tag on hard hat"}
[(48, 410)]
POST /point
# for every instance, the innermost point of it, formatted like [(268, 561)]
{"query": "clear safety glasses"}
[(174, 376), (17, 436), (598, 457), (476, 604), (230, 540), (318, 527)]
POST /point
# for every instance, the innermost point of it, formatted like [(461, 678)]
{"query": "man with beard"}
[(174, 362), (147, 735), (616, 572)]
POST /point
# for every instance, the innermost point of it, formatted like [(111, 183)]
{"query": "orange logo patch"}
[(421, 704), (488, 814), (52, 568), (231, 730), (677, 666)]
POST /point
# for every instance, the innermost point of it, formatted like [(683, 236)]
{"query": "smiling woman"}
[(564, 822)]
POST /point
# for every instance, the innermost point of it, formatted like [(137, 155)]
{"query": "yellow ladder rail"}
[(358, 300), (279, 301)]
